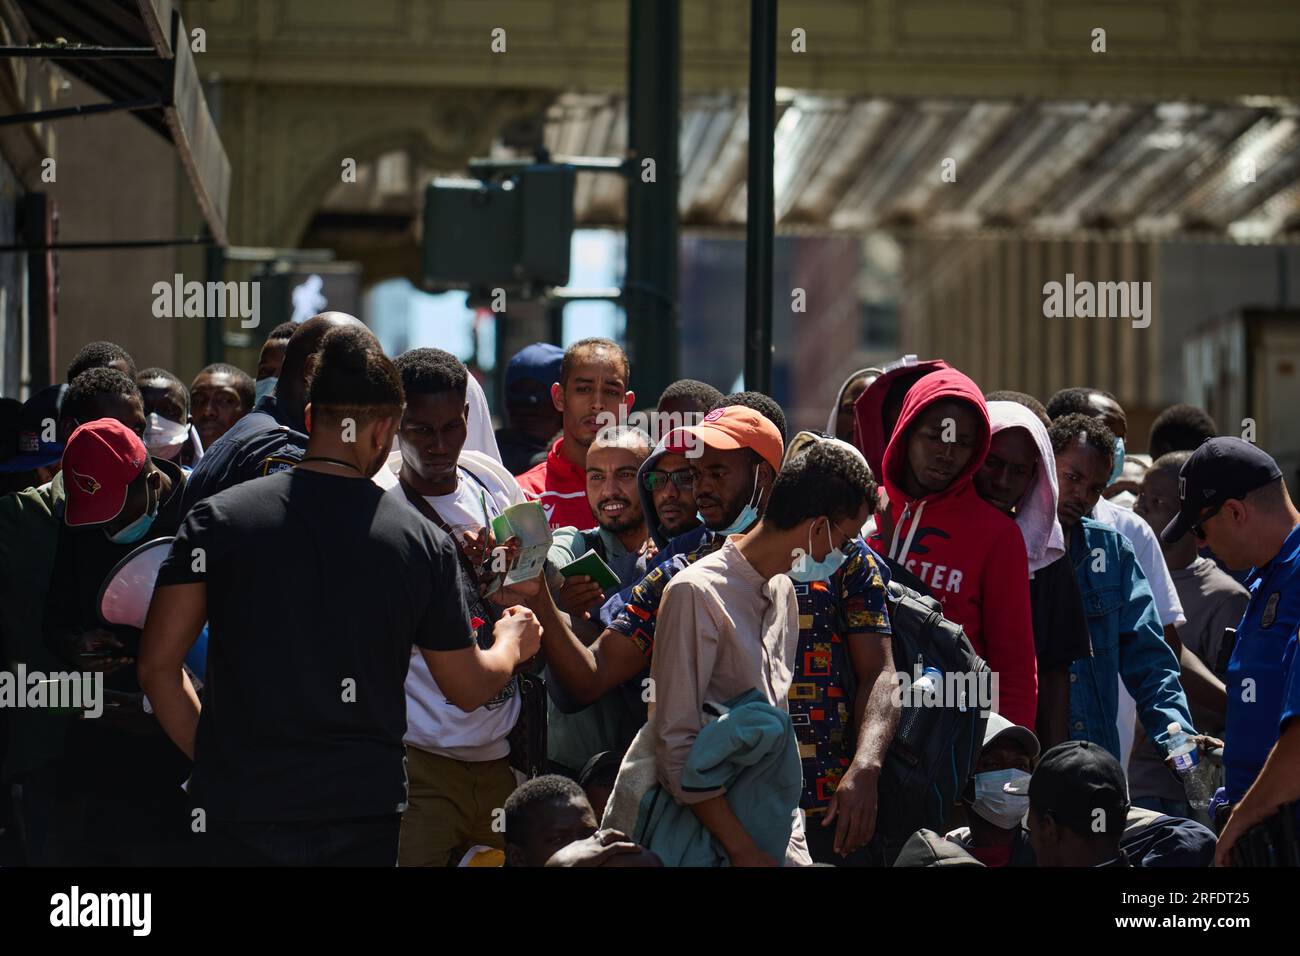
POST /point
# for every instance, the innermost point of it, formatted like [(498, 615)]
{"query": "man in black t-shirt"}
[(315, 585)]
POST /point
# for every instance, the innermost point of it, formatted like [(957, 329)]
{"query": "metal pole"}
[(653, 116), (44, 116), (105, 244), (760, 222), (80, 52), (214, 341)]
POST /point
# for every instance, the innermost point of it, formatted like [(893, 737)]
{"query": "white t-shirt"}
[(1168, 607), (433, 723), (1149, 557)]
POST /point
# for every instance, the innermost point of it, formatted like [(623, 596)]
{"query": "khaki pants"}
[(450, 807)]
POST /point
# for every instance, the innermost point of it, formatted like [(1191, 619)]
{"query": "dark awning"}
[(168, 76)]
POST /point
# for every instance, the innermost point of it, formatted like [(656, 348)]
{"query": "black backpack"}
[(934, 749)]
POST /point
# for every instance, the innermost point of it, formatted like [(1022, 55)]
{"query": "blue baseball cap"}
[(540, 363), (1220, 469), (39, 417)]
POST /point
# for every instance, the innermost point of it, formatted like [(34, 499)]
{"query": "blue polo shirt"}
[(1263, 680)]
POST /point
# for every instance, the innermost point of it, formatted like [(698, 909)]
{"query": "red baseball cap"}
[(100, 461), (727, 429)]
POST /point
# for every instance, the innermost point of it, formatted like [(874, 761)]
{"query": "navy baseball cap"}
[(539, 362), (1073, 781), (39, 418), (1220, 469)]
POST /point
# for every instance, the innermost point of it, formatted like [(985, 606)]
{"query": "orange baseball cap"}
[(727, 429)]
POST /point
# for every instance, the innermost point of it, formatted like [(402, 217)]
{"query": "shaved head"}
[(300, 356)]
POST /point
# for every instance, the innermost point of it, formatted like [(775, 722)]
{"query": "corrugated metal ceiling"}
[(1044, 166)]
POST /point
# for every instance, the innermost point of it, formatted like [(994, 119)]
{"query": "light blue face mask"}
[(264, 386), (1117, 469), (806, 570), (748, 514), (1002, 797), (138, 528)]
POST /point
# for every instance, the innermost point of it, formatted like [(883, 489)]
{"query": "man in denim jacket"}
[(1122, 619)]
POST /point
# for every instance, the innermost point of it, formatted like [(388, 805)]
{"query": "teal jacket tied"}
[(751, 752)]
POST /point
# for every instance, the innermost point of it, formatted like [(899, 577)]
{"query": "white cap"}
[(1175, 728), (999, 726)]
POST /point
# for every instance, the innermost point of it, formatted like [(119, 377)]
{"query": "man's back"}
[(317, 586)]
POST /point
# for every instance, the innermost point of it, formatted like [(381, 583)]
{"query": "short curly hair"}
[(88, 388), (765, 405), (701, 395), (1090, 432), (100, 355), (1180, 427), (827, 479), (432, 372)]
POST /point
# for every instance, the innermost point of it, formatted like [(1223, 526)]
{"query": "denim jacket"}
[(1127, 641)]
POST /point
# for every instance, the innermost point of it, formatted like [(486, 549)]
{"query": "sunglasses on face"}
[(655, 480), (1197, 528)]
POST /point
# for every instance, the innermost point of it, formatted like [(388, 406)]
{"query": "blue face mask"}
[(806, 570), (1117, 469), (748, 514), (264, 387), (137, 529)]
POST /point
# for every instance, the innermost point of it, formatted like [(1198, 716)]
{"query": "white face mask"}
[(164, 437), (1002, 797)]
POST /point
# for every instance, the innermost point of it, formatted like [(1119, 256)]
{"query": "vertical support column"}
[(214, 341), (37, 219), (760, 222), (650, 285)]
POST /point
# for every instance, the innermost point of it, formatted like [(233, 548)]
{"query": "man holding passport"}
[(619, 538)]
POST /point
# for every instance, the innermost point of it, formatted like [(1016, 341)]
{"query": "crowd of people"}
[(338, 666)]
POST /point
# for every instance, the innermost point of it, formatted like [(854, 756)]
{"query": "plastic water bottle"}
[(928, 684), (1197, 776), (1182, 749)]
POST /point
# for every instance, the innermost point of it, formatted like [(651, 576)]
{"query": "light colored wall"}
[(116, 179), (978, 302)]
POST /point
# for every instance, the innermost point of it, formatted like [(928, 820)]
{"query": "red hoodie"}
[(868, 409), (970, 555)]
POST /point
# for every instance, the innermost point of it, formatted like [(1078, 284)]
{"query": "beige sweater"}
[(722, 630)]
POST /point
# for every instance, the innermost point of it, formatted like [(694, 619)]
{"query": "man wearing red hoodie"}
[(877, 408), (970, 555)]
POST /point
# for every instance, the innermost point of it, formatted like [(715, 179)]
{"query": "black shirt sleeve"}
[(193, 550), (1060, 627), (446, 623)]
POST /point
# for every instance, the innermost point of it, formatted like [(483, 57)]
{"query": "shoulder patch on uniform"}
[(273, 464), (1270, 610)]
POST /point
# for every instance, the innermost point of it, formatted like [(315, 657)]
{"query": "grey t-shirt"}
[(1211, 601)]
